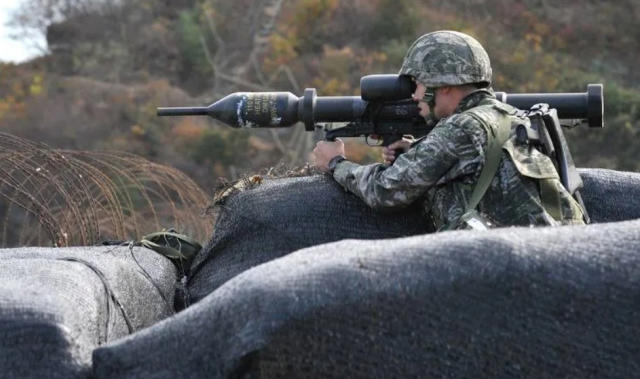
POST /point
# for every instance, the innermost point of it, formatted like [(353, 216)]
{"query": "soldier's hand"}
[(389, 152), (325, 151)]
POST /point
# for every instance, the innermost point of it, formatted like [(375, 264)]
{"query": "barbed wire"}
[(52, 197)]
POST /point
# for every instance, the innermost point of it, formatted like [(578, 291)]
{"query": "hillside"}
[(111, 65)]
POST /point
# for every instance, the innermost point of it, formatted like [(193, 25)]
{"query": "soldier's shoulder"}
[(468, 120), (462, 118), (459, 127)]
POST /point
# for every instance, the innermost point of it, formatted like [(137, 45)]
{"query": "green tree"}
[(192, 40)]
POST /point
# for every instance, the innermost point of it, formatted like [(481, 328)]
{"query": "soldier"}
[(469, 171)]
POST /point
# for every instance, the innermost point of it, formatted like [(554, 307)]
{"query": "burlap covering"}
[(284, 215), (57, 305), (514, 302), (611, 195)]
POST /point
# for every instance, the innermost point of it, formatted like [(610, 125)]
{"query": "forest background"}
[(110, 63)]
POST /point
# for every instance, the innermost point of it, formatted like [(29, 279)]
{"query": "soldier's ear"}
[(446, 90)]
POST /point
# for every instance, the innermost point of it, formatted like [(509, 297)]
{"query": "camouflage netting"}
[(556, 302), (57, 305), (280, 216)]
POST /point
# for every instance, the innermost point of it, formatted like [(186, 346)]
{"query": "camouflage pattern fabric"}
[(441, 171), (447, 58)]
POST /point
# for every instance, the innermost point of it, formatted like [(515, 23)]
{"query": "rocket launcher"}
[(384, 109)]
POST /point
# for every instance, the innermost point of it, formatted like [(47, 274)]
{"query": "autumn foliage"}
[(110, 66)]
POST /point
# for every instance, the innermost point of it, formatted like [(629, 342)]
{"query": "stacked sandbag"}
[(611, 195), (512, 302), (283, 215), (57, 305)]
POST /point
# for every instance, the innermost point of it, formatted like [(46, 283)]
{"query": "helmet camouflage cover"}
[(447, 58)]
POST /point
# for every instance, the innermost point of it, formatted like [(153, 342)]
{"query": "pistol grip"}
[(389, 139)]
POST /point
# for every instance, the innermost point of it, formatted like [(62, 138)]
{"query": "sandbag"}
[(511, 302), (57, 305), (283, 215), (611, 195)]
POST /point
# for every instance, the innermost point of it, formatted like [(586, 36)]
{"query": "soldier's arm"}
[(410, 176)]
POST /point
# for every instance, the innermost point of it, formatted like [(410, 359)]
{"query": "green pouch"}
[(173, 245)]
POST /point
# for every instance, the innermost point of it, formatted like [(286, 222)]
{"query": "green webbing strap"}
[(496, 137), (172, 245)]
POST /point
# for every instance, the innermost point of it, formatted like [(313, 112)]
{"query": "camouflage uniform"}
[(442, 169)]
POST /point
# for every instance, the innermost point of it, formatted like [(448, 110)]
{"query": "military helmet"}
[(447, 58)]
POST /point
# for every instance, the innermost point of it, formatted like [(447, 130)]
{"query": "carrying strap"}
[(497, 135)]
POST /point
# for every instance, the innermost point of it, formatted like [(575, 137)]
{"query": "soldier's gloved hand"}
[(389, 152), (325, 151)]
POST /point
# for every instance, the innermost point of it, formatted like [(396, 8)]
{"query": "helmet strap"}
[(430, 98)]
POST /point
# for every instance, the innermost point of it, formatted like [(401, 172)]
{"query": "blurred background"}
[(87, 75)]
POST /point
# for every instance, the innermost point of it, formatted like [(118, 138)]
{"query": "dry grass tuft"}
[(226, 189), (66, 198)]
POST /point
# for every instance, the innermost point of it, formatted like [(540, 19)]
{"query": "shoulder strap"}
[(497, 135)]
